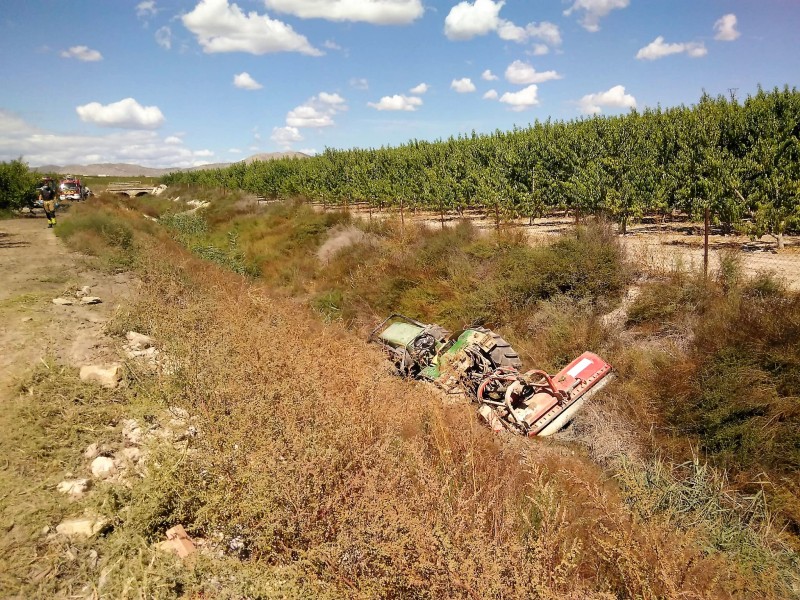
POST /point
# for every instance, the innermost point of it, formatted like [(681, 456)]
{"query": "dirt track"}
[(36, 267)]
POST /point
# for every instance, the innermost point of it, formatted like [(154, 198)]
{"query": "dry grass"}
[(316, 456), (343, 481)]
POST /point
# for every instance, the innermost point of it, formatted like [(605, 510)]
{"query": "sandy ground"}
[(35, 267)]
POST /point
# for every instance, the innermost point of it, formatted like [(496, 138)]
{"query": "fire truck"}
[(70, 188)]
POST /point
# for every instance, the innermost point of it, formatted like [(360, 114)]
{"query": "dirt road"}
[(35, 268)]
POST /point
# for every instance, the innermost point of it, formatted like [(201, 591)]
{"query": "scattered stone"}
[(92, 451), (103, 467), (132, 453), (81, 526), (106, 376), (179, 413), (94, 558), (63, 301), (138, 341), (146, 353), (45, 530), (178, 541), (71, 554), (131, 432), (75, 487), (25, 210), (27, 319), (90, 300), (8, 526), (83, 292)]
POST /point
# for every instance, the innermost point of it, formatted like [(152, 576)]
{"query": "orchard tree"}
[(17, 184)]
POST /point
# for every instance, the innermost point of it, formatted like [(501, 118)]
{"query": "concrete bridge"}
[(132, 189)]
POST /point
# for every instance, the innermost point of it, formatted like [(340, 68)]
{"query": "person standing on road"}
[(47, 196)]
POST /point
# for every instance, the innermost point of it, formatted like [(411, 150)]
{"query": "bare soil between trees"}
[(656, 247)]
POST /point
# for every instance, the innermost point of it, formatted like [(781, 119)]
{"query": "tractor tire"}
[(502, 355)]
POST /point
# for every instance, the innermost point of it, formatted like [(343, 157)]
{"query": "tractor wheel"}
[(503, 355)]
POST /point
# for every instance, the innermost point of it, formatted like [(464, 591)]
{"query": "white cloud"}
[(127, 114), (487, 75), (40, 147), (83, 53), (244, 81), (234, 150), (546, 32), (164, 37), (397, 102), (309, 151), (376, 12), (591, 104), (359, 83), (286, 136), (725, 28), (658, 49), (594, 10), (467, 20), (334, 100), (203, 153), (318, 111), (521, 100), (462, 86), (223, 27), (331, 45), (521, 73), (540, 49), (308, 116), (506, 30), (490, 95), (419, 89), (173, 139), (146, 9)]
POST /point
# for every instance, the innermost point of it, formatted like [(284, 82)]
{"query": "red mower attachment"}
[(535, 403)]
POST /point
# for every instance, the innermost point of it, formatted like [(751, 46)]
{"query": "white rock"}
[(84, 291), (138, 341), (91, 300), (63, 301), (91, 451), (74, 487), (103, 467), (106, 376), (80, 527)]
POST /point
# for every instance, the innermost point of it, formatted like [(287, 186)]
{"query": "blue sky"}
[(174, 83)]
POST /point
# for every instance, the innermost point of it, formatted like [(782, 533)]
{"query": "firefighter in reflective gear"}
[(47, 196)]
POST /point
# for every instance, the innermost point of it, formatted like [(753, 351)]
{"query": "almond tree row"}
[(738, 160)]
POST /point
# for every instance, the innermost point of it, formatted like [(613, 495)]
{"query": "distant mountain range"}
[(128, 170)]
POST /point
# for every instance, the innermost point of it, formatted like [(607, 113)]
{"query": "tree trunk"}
[(497, 218), (779, 240), (707, 226)]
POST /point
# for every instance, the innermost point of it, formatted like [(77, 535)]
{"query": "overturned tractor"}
[(485, 367)]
